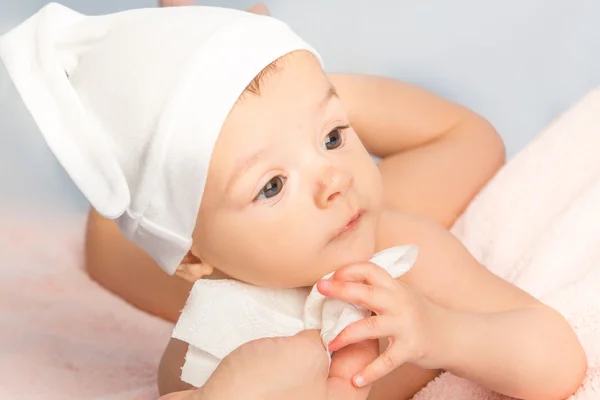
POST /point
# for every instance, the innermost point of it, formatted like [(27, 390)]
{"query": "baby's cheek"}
[(373, 184), (300, 267)]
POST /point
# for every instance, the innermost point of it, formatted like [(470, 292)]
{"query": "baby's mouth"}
[(353, 222)]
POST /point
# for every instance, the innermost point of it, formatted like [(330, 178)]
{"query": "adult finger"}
[(185, 395), (383, 365)]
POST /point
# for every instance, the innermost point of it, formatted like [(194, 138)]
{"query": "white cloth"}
[(131, 104), (221, 315)]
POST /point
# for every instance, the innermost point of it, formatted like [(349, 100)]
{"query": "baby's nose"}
[(332, 184)]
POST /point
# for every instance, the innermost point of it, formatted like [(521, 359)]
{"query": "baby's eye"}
[(272, 188), (334, 139)]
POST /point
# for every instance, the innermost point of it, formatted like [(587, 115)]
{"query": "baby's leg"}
[(175, 3), (258, 8)]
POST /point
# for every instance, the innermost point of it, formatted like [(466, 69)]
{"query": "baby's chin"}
[(356, 244), (342, 257), (310, 273)]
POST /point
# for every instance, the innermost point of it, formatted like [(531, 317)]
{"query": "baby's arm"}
[(436, 154), (491, 331)]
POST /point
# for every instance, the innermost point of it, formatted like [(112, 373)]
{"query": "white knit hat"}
[(131, 104)]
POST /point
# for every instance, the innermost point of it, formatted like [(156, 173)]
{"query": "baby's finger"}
[(366, 272), (370, 297), (374, 327), (383, 365)]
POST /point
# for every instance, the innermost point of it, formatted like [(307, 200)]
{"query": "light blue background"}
[(520, 63)]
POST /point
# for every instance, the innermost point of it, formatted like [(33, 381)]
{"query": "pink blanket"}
[(62, 336), (537, 224)]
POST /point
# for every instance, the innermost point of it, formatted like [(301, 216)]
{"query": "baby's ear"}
[(192, 268)]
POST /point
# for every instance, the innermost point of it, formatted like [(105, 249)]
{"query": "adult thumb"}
[(312, 343)]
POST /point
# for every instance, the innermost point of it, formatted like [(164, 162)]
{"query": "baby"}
[(219, 145)]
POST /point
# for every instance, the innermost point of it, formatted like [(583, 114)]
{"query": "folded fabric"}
[(221, 315)]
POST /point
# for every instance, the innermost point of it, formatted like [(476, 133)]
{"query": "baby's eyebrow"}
[(250, 161), (244, 166), (330, 94)]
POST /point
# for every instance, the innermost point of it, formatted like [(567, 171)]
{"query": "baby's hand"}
[(401, 314)]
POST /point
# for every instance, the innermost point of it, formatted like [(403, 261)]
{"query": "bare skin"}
[(415, 150), (436, 157), (436, 151), (432, 166)]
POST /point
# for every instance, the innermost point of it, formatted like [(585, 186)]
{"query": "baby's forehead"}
[(294, 73), (290, 88), (288, 96)]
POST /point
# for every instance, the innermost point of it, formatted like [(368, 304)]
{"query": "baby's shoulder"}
[(398, 228)]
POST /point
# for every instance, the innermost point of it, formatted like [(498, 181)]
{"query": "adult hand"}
[(345, 364), (294, 368), (402, 315)]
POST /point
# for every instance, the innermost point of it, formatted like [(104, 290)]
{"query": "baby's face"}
[(291, 194)]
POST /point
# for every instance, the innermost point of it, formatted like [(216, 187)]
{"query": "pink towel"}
[(536, 224), (61, 335)]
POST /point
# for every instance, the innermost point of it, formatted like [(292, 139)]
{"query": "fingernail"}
[(325, 283), (359, 381)]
